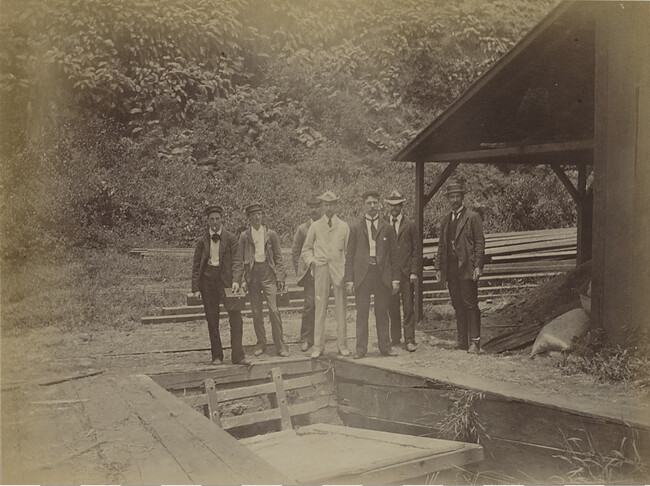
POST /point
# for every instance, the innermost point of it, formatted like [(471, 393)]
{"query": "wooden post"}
[(213, 402), (585, 216), (419, 223), (285, 417)]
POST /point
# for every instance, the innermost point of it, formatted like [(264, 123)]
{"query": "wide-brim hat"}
[(370, 193), (454, 187), (314, 200), (394, 198), (253, 208), (213, 208), (328, 196)]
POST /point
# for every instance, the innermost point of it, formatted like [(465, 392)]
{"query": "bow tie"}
[(216, 237)]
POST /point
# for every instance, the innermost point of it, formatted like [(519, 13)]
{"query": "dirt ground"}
[(45, 422)]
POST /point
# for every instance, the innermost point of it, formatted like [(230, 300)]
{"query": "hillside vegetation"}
[(122, 119)]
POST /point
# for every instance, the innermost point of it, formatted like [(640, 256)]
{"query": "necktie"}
[(329, 222), (373, 228), (395, 225), (216, 237)]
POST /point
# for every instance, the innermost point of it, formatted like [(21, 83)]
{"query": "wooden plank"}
[(281, 397), (207, 453), (274, 413), (212, 401)]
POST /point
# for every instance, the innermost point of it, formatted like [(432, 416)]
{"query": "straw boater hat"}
[(328, 196), (253, 208), (395, 198), (213, 208), (454, 187)]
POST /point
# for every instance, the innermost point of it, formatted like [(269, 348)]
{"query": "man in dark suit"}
[(305, 277), (215, 255), (459, 263), (408, 250), (371, 268), (261, 274)]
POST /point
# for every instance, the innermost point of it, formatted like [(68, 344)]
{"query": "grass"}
[(589, 465), (461, 420), (91, 290)]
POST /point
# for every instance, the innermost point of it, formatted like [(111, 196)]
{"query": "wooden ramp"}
[(332, 454)]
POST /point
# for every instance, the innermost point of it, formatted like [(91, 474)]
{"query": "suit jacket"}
[(298, 261), (408, 248), (357, 258), (272, 251), (469, 242), (326, 246), (229, 258)]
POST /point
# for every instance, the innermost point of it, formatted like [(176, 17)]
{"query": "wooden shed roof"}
[(534, 105)]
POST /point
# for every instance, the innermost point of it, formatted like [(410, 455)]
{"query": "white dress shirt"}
[(214, 249), (372, 243), (258, 241)]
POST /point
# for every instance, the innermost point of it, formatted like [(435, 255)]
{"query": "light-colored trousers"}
[(322, 283)]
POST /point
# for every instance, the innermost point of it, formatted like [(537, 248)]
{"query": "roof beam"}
[(441, 180), (515, 151)]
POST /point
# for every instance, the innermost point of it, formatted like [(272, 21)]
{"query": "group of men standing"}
[(374, 256)]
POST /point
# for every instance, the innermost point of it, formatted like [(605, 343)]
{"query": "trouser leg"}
[(406, 293), (469, 292), (382, 298), (270, 289), (210, 294), (321, 295), (236, 334), (362, 300), (395, 318), (340, 301), (455, 292), (256, 300), (308, 311)]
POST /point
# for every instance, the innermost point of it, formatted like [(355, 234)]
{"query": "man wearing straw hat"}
[(263, 277), (215, 256), (459, 263), (324, 254), (305, 277), (408, 251)]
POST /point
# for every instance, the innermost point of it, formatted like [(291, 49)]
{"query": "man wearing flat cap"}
[(459, 263), (263, 277), (324, 254), (305, 277), (215, 255), (408, 254), (371, 268)]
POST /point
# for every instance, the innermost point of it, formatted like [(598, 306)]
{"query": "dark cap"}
[(213, 208), (253, 208), (314, 200), (372, 193)]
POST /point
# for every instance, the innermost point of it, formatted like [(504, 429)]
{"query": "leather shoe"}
[(304, 346), (259, 351), (474, 349), (217, 361), (410, 347), (344, 352), (315, 353), (284, 353), (243, 361), (358, 355), (389, 353)]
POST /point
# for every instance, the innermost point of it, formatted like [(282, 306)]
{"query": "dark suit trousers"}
[(212, 291), (263, 285), (372, 285), (309, 309), (464, 299), (406, 296)]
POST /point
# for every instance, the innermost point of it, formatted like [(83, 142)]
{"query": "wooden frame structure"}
[(545, 102)]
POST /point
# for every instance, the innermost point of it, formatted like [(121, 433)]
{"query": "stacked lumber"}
[(516, 262)]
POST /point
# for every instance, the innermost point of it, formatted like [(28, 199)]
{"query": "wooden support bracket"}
[(441, 180), (213, 402), (285, 417), (566, 182)]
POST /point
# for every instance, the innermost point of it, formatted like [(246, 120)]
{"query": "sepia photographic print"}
[(324, 242)]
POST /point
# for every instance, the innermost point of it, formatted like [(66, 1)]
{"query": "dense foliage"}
[(121, 119)]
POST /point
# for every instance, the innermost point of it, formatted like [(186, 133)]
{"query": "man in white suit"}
[(324, 253)]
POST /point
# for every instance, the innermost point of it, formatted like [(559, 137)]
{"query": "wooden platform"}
[(331, 454)]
